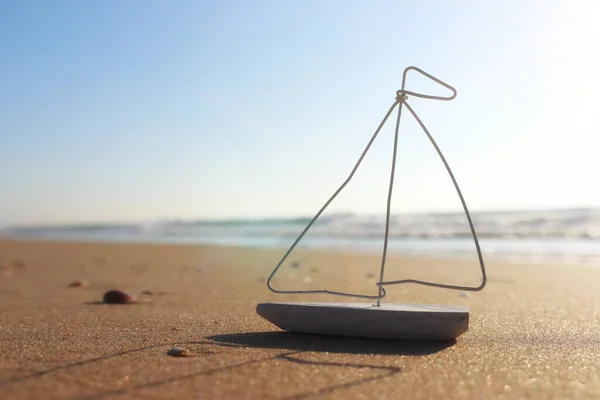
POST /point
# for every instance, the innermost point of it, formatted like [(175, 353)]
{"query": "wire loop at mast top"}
[(404, 92)]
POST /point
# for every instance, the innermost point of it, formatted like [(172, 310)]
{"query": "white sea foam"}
[(582, 223)]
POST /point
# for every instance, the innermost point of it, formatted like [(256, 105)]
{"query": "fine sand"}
[(534, 330)]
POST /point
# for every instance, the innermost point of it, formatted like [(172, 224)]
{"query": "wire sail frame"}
[(401, 100)]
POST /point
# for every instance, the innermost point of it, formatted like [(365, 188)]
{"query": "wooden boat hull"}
[(423, 322)]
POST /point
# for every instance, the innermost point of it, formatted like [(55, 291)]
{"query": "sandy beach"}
[(534, 330)]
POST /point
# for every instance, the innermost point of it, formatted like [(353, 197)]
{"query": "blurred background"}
[(233, 122)]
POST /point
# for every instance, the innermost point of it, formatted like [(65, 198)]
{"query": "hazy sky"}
[(133, 110)]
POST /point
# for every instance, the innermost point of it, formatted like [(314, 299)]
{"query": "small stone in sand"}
[(148, 292), (178, 352), (295, 264), (370, 275), (18, 264), (314, 270), (465, 294), (79, 283), (117, 297)]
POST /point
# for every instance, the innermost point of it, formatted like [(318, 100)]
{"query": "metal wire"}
[(401, 100)]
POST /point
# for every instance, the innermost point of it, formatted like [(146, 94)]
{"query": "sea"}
[(564, 236)]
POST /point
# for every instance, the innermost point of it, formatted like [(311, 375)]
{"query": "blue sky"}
[(136, 110)]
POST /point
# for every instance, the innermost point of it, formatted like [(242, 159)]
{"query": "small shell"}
[(178, 352), (118, 297), (79, 283)]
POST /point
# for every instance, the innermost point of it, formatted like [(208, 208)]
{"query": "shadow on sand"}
[(294, 346), (330, 344)]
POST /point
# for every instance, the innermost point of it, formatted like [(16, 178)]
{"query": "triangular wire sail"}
[(401, 100)]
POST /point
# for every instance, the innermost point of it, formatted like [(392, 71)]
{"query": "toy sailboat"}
[(365, 319)]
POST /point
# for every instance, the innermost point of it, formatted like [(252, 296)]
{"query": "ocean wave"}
[(551, 224)]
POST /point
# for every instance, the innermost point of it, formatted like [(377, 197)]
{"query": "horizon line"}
[(185, 220)]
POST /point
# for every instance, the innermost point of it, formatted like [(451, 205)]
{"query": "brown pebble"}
[(314, 270), (178, 352), (370, 275), (295, 264), (18, 264), (148, 292), (117, 297)]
